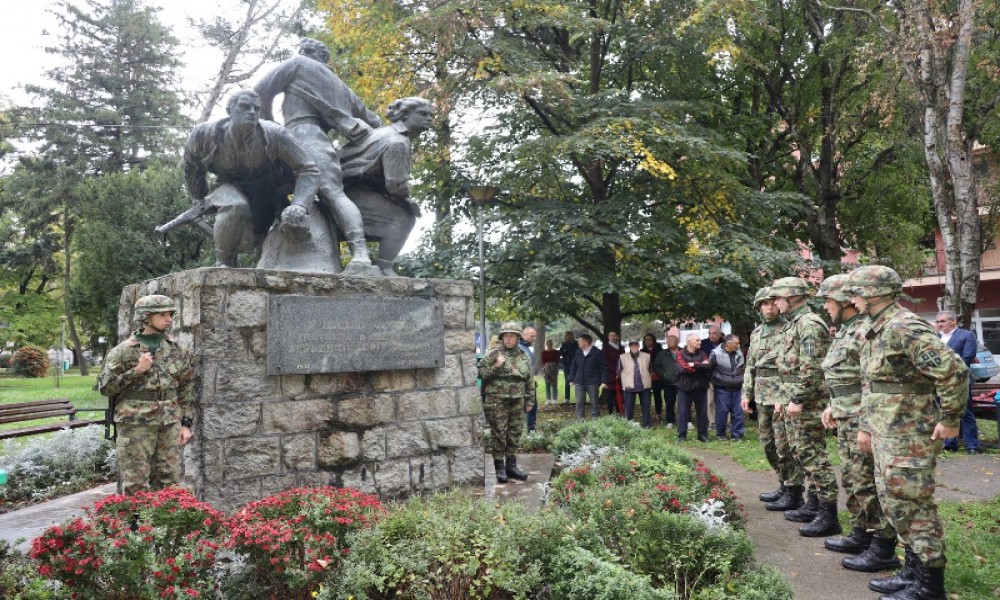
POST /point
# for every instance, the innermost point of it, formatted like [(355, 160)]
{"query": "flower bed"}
[(629, 518)]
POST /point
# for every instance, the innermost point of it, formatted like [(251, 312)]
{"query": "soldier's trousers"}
[(503, 416), (904, 477), (809, 447), (765, 426), (789, 470), (148, 456), (857, 474)]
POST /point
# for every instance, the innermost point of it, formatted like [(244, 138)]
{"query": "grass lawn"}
[(78, 389)]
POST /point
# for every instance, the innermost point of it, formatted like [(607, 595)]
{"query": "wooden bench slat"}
[(29, 410), (39, 415), (11, 433), (37, 403)]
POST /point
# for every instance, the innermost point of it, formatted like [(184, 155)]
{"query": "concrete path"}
[(814, 572), (31, 521), (539, 470)]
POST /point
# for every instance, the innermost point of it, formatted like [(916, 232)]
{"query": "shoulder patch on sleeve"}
[(929, 359)]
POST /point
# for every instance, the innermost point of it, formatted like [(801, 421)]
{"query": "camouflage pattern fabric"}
[(904, 366), (765, 426), (148, 457), (171, 378), (149, 407), (764, 389), (842, 368), (857, 474), (789, 470), (805, 341), (509, 389)]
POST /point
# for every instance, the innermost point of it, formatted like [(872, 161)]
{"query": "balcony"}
[(990, 261)]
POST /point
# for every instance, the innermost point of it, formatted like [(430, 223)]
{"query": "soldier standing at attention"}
[(509, 388), (152, 380), (804, 343), (842, 370), (760, 385), (904, 365)]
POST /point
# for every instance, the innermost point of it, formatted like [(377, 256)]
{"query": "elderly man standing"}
[(695, 369), (805, 340), (526, 344), (151, 381), (728, 366), (871, 534), (708, 345), (636, 381), (567, 351), (965, 344), (914, 390), (590, 373), (508, 387)]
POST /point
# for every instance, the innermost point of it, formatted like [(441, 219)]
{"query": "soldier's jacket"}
[(760, 381), (512, 379), (804, 342), (904, 364), (842, 368), (162, 395)]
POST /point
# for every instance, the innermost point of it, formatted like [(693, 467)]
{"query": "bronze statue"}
[(377, 177), (315, 102)]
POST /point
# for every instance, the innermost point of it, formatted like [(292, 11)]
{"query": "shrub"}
[(292, 542), (759, 583), (148, 545), (19, 579), (447, 547), (5, 358), (579, 573), (68, 461), (608, 431), (30, 361)]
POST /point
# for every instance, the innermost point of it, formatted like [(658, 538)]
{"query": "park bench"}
[(25, 412)]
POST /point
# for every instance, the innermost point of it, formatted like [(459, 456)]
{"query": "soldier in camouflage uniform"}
[(509, 392), (150, 378), (842, 370), (805, 340), (904, 365), (760, 384)]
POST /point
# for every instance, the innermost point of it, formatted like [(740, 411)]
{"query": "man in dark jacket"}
[(665, 365), (728, 365), (695, 370), (590, 372), (567, 351)]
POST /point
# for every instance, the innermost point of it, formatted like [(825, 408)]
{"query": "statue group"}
[(357, 193)]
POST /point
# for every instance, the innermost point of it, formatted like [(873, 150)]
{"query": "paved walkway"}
[(539, 470), (31, 521), (815, 573)]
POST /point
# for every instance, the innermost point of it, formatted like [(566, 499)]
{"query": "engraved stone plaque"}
[(318, 334)]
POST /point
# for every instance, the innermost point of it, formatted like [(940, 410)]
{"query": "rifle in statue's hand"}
[(192, 216)]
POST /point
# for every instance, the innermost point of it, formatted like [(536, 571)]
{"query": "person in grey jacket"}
[(665, 365), (728, 366)]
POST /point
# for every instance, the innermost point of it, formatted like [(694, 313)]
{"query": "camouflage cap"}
[(509, 327), (150, 305), (872, 281), (834, 287), (789, 286), (762, 294)]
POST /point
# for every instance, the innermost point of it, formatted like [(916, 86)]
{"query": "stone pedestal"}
[(387, 432)]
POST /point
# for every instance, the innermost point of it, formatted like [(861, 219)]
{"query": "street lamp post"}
[(481, 194)]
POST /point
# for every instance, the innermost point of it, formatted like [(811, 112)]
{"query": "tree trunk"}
[(539, 346), (67, 308)]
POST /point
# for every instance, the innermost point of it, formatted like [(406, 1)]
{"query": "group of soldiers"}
[(894, 392)]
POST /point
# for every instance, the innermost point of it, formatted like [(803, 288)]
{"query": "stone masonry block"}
[(359, 478), (237, 381), (298, 452), (230, 420), (458, 340), (450, 375), (366, 411), (393, 381), (247, 308), (248, 457), (373, 444), (467, 466), (422, 471), (339, 449), (452, 288), (449, 433), (392, 478), (455, 309), (297, 416), (275, 484), (228, 495), (470, 371), (427, 405), (337, 383), (470, 401), (408, 439)]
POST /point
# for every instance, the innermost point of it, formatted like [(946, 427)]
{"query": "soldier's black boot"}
[(852, 544), (772, 496), (501, 470), (513, 472), (897, 581), (805, 513), (825, 523), (880, 556), (790, 500), (929, 585)]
